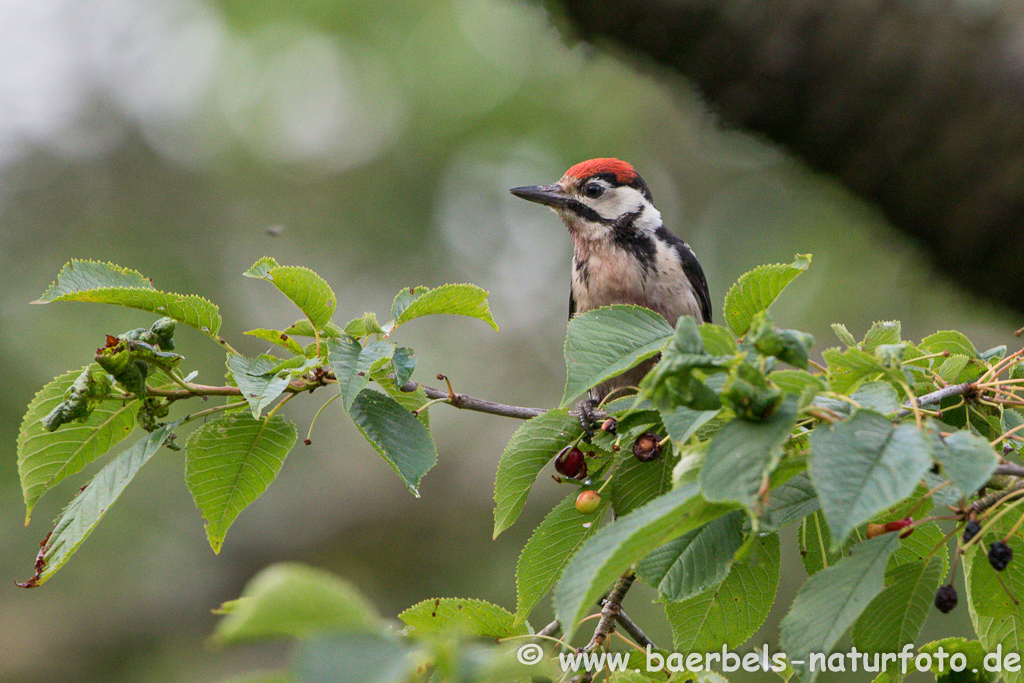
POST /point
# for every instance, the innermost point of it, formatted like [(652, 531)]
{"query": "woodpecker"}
[(622, 251)]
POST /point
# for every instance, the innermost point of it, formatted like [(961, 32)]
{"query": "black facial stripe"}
[(584, 211), (626, 235)]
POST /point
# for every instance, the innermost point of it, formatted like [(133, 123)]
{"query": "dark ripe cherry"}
[(570, 463), (945, 599), (971, 530), (999, 555)]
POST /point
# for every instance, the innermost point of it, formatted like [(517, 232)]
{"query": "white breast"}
[(615, 277)]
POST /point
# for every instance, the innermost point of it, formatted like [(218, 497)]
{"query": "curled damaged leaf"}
[(160, 334), (672, 383), (128, 361), (789, 346), (749, 394), (80, 399)]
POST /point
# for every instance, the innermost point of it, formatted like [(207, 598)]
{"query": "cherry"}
[(945, 598), (647, 446), (588, 501), (999, 555), (570, 463)]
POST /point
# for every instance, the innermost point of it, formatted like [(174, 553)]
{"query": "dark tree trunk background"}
[(917, 106)]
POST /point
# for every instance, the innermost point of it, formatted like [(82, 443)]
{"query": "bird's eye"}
[(593, 190)]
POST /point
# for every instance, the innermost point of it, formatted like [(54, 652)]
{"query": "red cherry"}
[(570, 463)]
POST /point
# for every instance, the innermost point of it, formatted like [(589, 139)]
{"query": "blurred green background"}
[(374, 143)]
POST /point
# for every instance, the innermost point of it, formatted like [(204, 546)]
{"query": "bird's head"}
[(595, 196)]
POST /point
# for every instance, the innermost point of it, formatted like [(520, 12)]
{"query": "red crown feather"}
[(623, 172)]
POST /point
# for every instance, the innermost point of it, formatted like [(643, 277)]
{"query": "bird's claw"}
[(589, 420), (585, 408)]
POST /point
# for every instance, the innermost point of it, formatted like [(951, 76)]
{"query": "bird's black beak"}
[(549, 195)]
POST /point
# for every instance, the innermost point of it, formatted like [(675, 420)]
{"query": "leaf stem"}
[(332, 399), (1006, 434), (211, 411)]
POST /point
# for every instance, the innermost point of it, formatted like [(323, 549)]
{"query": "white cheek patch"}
[(618, 201)]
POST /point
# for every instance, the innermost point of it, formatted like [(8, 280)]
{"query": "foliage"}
[(233, 457), (743, 434)]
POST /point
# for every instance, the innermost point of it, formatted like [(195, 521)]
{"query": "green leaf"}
[(553, 543), (796, 382), (303, 328), (896, 615), (468, 616), (817, 551), (46, 458), (616, 546), (949, 340), (877, 396), (755, 291), (792, 500), (695, 561), (404, 362), (403, 441), (354, 658), (863, 465), (847, 369), (351, 363), (109, 284), (831, 600), (467, 300), (844, 334), (605, 342), (87, 508), (974, 655), (410, 400), (952, 367), (996, 353), (683, 422), (230, 462), (293, 600), (998, 622), (533, 445), (927, 541), (364, 326), (276, 337), (728, 614), (881, 333), (718, 340), (967, 459), (306, 289), (259, 385), (261, 269), (742, 455), (637, 482)]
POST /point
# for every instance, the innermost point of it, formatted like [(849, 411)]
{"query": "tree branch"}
[(610, 611), (1010, 468), (480, 405), (965, 389)]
